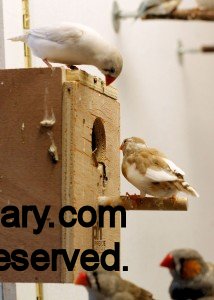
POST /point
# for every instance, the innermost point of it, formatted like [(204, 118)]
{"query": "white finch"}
[(157, 7), (105, 285), (74, 44), (193, 278), (151, 172)]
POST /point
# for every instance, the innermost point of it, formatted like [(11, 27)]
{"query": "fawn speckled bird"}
[(151, 171)]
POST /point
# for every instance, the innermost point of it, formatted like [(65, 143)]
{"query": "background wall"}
[(169, 105), (2, 53)]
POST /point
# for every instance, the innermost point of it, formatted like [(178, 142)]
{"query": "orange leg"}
[(47, 63), (134, 197)]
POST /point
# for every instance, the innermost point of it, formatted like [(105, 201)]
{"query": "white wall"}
[(2, 52), (12, 18), (171, 107)]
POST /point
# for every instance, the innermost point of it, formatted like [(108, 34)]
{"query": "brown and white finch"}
[(193, 278), (151, 172), (74, 44), (104, 285), (157, 7)]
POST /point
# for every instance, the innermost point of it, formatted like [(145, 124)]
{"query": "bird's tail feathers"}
[(185, 187), (20, 38)]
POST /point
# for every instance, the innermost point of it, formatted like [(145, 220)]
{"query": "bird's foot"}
[(47, 63), (134, 197), (173, 199), (72, 67)]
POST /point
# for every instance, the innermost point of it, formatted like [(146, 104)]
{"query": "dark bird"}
[(110, 286), (193, 278)]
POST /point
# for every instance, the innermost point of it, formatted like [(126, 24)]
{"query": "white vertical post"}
[(13, 26), (9, 291), (1, 291), (2, 51)]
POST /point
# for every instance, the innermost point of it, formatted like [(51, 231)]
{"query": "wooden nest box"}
[(59, 145)]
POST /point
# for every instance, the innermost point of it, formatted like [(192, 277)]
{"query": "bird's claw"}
[(134, 197)]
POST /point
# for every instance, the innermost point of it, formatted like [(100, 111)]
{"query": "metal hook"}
[(117, 15), (181, 51)]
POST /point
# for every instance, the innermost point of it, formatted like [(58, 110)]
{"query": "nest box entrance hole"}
[(98, 145)]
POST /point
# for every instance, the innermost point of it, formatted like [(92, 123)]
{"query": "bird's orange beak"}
[(82, 279), (168, 262), (109, 79)]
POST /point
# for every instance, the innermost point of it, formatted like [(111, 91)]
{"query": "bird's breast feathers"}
[(135, 177)]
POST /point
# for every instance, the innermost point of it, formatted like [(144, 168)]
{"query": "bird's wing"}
[(60, 34), (152, 164), (122, 296), (145, 295), (131, 291), (160, 175), (175, 169)]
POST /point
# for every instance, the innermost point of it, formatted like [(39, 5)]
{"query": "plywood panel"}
[(83, 106), (2, 52), (29, 177)]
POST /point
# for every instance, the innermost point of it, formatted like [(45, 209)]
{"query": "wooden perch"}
[(146, 203), (185, 14)]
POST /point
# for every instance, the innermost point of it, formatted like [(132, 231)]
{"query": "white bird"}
[(74, 44)]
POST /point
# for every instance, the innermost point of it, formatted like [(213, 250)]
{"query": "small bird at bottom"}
[(151, 171), (206, 298), (74, 44), (106, 285), (193, 278)]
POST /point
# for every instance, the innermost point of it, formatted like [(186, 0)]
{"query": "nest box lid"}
[(92, 82)]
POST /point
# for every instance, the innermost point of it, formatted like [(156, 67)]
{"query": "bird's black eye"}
[(112, 70), (182, 260)]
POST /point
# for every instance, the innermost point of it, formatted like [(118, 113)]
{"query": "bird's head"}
[(132, 144), (112, 66), (185, 264), (100, 281)]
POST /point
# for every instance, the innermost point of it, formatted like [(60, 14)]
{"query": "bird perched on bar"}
[(193, 278), (74, 44), (105, 285), (157, 7), (151, 171)]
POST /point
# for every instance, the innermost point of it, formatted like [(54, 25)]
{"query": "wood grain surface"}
[(83, 181), (28, 176)]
